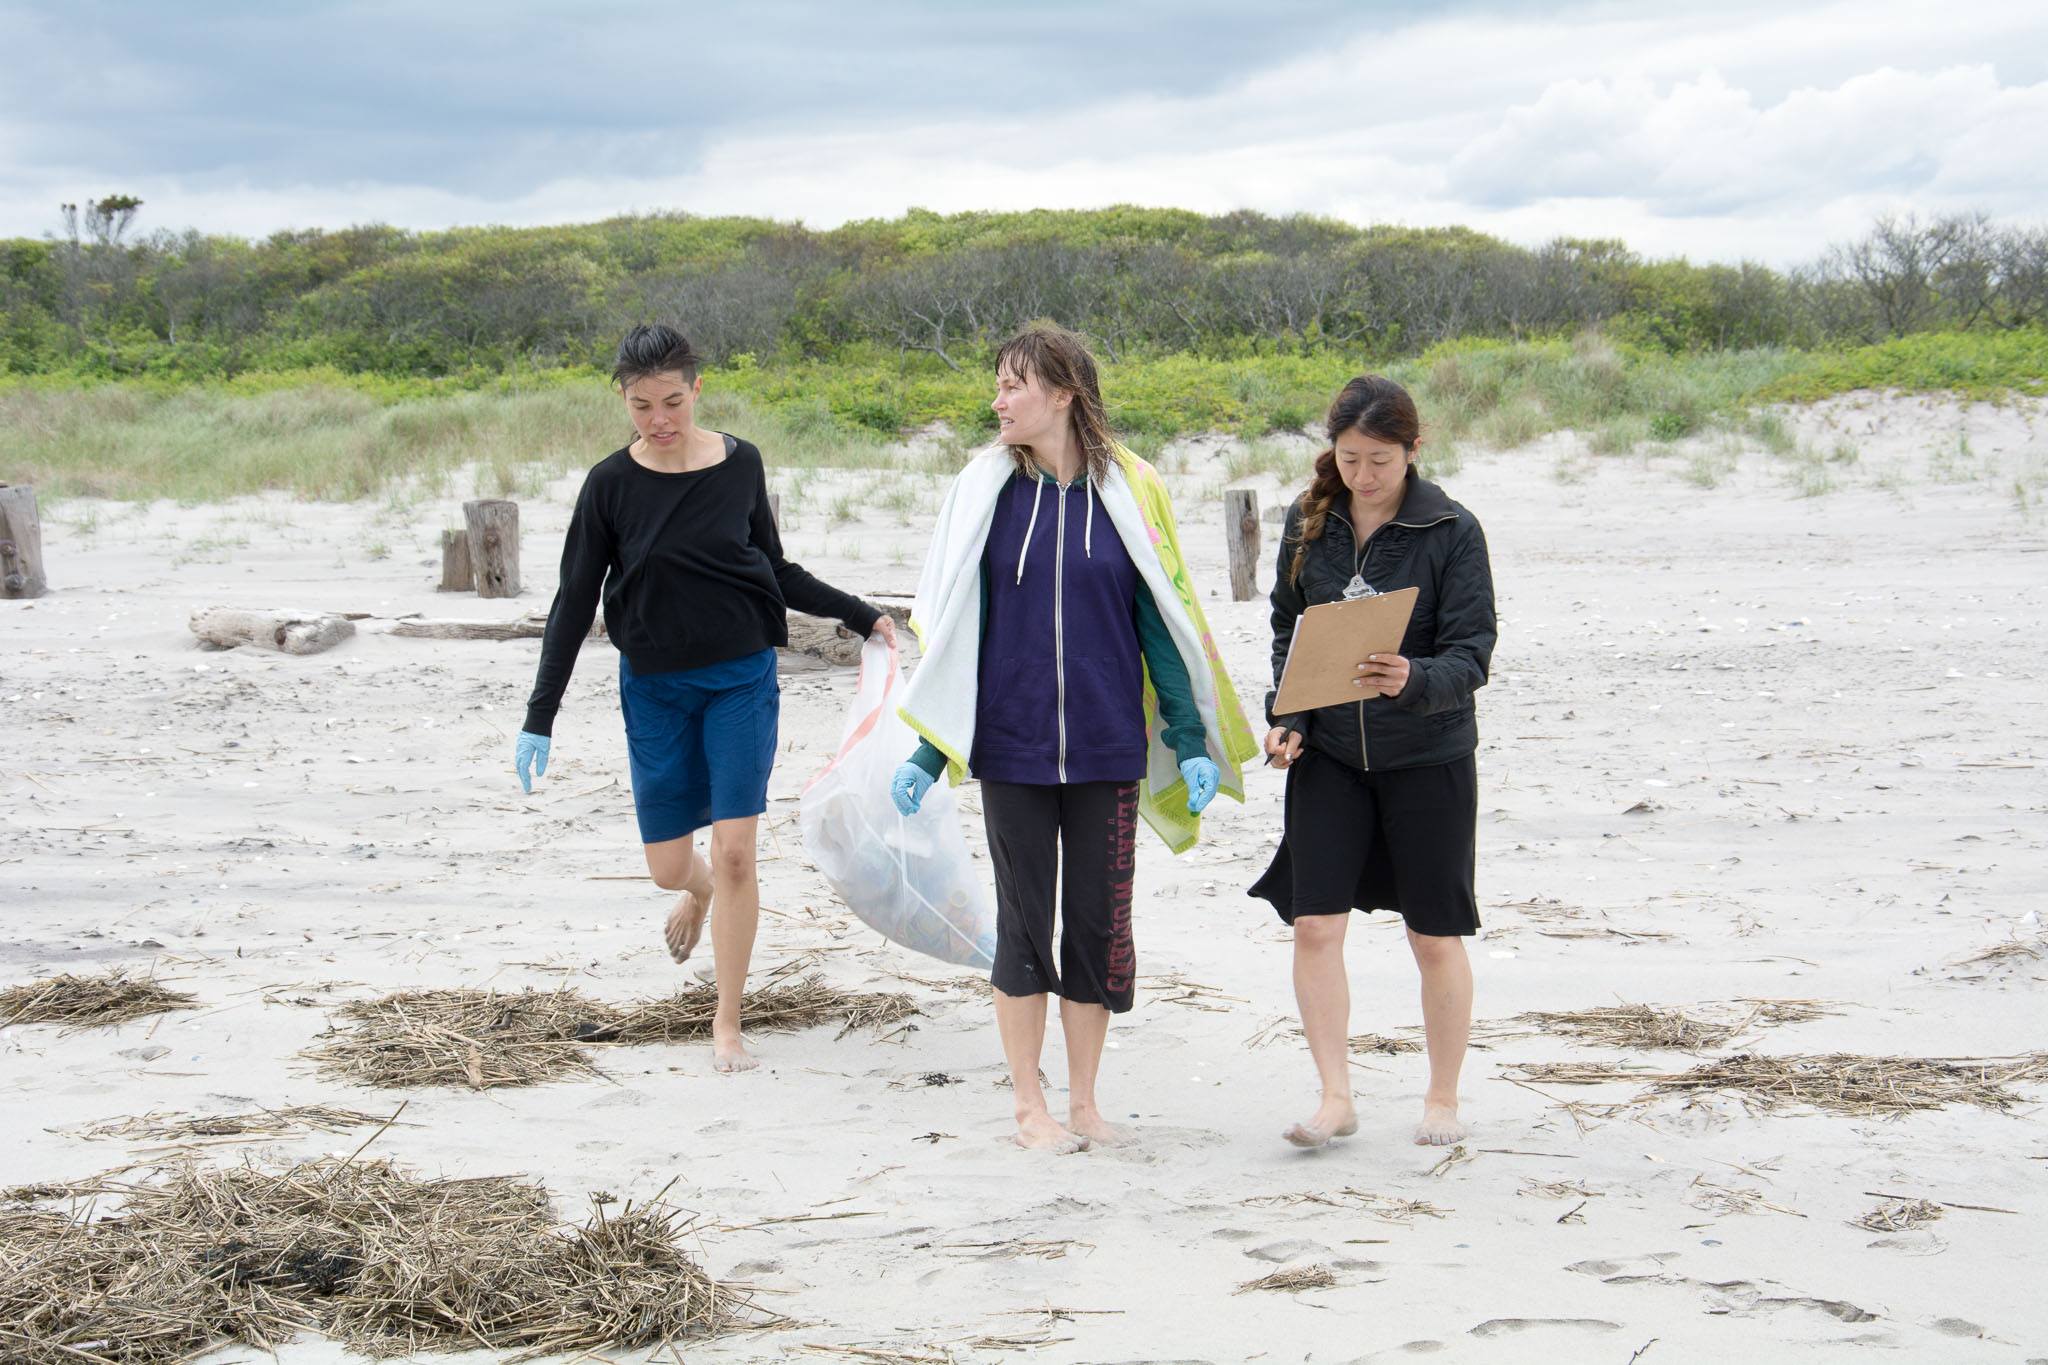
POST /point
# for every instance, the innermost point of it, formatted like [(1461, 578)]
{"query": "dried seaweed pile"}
[(1385, 1207), (779, 1005), (89, 1001), (1365, 1044), (1291, 1281), (309, 1118), (474, 1038), (1647, 1026), (484, 1039), (1900, 1215), (1839, 1083), (363, 1253)]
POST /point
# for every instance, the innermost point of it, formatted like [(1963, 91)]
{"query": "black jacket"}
[(1433, 545)]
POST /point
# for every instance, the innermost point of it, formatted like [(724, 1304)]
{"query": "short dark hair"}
[(656, 349)]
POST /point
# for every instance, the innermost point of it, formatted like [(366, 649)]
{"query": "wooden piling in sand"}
[(1241, 529), (493, 545), (455, 571), (21, 543)]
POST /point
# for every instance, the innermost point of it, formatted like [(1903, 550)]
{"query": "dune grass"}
[(329, 436)]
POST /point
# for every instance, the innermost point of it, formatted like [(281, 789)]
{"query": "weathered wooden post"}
[(455, 571), (775, 510), (21, 543), (493, 545), (1241, 527)]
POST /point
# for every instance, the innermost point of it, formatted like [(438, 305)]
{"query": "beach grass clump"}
[(775, 1007), (463, 1037), (1899, 1215), (1836, 1083), (484, 1040), (282, 1122), (1648, 1026), (366, 1254), (1368, 1044), (1291, 1281), (89, 1001)]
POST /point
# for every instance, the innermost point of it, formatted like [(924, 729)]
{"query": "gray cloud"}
[(1753, 128)]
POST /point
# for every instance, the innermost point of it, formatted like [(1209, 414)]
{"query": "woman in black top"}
[(675, 532), (1382, 793)]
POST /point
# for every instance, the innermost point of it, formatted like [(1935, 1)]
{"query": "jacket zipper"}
[(1059, 628), (1358, 568)]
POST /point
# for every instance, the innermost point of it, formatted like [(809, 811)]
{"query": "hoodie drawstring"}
[(1087, 533), (1026, 549)]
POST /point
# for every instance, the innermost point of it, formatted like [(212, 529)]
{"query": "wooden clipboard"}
[(1330, 642)]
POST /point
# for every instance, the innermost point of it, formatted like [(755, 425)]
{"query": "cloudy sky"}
[(1736, 129)]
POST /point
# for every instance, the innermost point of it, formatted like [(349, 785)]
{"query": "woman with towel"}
[(1067, 666)]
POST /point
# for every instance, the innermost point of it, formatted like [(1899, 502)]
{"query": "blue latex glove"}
[(908, 786), (531, 752), (1202, 776)]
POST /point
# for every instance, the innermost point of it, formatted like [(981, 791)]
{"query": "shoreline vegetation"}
[(341, 365), (331, 436)]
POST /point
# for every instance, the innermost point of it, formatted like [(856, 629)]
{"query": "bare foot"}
[(1099, 1131), (729, 1053), (1333, 1119), (1040, 1132), (686, 922), (1439, 1126)]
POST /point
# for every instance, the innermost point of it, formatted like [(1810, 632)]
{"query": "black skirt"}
[(1399, 839)]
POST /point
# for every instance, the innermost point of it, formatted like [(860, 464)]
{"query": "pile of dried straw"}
[(1837, 1082), (483, 1039), (86, 1001), (1647, 1026), (360, 1252)]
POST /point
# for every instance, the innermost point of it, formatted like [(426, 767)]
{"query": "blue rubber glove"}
[(908, 786), (531, 751), (1202, 776)]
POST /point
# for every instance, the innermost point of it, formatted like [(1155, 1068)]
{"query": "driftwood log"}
[(493, 525), (815, 637), (529, 627), (21, 543), (812, 637), (288, 632), (455, 571)]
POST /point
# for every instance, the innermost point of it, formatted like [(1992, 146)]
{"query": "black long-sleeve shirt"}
[(691, 571)]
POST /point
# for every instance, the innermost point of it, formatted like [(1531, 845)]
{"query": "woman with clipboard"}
[(1382, 792)]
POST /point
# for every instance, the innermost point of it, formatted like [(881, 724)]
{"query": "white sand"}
[(1831, 707)]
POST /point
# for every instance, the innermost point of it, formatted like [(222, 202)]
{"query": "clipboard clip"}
[(1358, 588)]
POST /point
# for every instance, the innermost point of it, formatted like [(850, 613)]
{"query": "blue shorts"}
[(701, 741)]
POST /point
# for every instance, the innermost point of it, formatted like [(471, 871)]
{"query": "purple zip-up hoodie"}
[(1062, 679)]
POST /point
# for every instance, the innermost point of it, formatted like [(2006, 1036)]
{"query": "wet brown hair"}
[(1060, 360), (659, 349), (1374, 406)]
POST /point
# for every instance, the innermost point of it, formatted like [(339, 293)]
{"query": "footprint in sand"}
[(1294, 1249), (1500, 1327), (1425, 1347)]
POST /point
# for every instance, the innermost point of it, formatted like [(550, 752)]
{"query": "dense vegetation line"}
[(100, 298)]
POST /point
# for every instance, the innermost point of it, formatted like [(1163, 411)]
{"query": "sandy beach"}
[(1739, 745)]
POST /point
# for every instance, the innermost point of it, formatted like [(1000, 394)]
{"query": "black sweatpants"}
[(1081, 837)]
